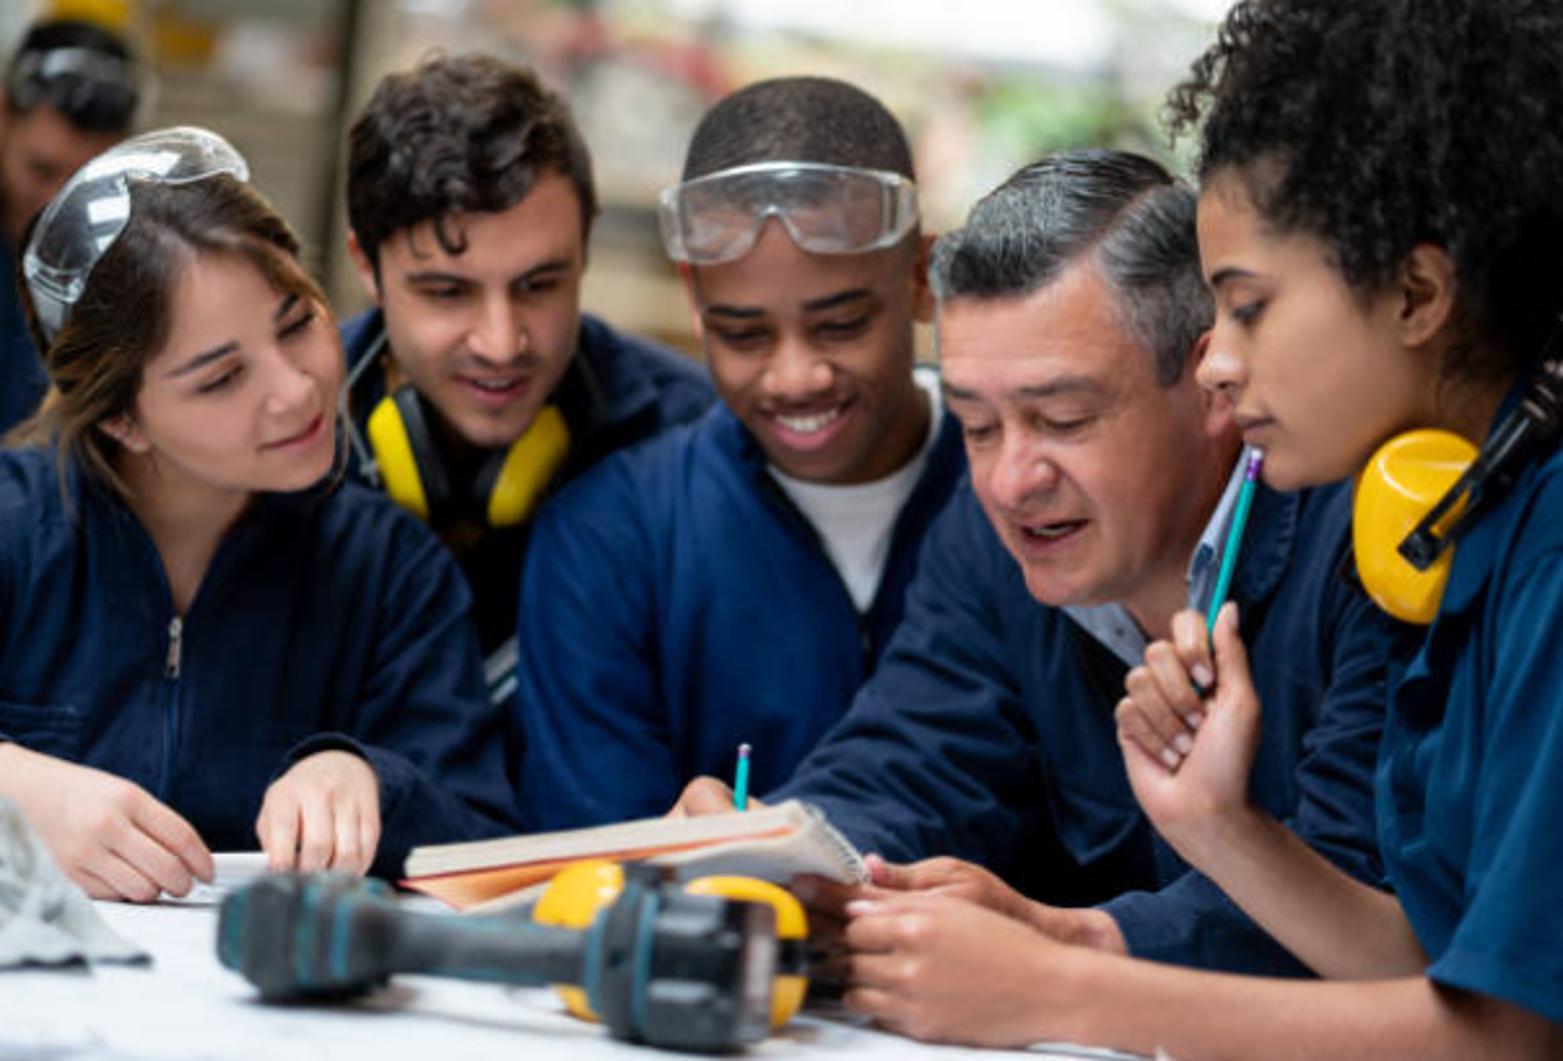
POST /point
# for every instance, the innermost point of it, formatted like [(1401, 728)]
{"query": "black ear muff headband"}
[(1423, 489), (402, 455)]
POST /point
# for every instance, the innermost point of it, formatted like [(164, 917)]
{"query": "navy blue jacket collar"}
[(97, 499), (1267, 545), (1479, 548)]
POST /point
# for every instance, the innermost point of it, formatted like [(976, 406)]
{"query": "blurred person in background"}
[(71, 91)]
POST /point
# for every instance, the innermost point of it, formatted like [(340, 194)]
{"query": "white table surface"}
[(185, 1006)]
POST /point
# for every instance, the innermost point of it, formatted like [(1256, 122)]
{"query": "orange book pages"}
[(468, 888)]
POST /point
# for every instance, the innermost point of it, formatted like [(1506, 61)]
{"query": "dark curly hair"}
[(462, 133), (1380, 124)]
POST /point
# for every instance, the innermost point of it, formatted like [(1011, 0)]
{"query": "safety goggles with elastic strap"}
[(86, 216), (825, 209)]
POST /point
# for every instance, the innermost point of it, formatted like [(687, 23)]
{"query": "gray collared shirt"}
[(1114, 627)]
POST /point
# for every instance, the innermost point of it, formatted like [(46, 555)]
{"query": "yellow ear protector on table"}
[(1423, 489), (509, 485), (578, 891)]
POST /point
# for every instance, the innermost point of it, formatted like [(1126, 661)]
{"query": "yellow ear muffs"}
[(578, 891), (519, 481), (509, 486), (1401, 483), (405, 455)]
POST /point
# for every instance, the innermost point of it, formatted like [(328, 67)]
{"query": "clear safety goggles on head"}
[(84, 219), (825, 209)]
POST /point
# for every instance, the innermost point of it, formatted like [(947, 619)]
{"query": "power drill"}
[(660, 966)]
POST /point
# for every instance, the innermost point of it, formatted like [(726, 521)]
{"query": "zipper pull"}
[(176, 627)]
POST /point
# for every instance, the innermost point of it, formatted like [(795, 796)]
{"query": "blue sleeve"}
[(926, 760), (424, 720), (1508, 942), (1191, 921), (597, 742), (14, 527)]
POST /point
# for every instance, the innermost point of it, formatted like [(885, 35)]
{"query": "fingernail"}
[(1170, 758), (1184, 743), (859, 907), (1195, 719), (1201, 675)]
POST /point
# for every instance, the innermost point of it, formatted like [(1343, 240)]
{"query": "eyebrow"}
[(839, 298), (1230, 272), (817, 305), (434, 276), (202, 360), (1031, 392)]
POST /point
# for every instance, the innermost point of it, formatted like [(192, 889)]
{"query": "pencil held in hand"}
[(741, 779), (1245, 501)]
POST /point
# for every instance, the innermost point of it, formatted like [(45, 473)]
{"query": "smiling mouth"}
[(494, 386), (1052, 532), (309, 432), (812, 423)]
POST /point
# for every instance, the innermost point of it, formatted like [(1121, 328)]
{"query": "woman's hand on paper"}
[(938, 968), (324, 813), (1190, 793), (109, 835)]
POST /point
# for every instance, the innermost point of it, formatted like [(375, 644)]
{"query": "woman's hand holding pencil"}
[(1189, 726), (1189, 755)]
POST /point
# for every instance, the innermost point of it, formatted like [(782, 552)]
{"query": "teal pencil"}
[(1245, 501), (741, 779)]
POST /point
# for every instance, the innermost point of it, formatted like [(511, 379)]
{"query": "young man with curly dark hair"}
[(477, 386), (1381, 224)]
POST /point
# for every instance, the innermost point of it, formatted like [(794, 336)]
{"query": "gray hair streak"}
[(1132, 213)]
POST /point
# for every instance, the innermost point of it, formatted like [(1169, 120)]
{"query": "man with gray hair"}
[(1071, 313)]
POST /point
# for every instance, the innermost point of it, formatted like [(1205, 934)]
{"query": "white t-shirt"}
[(856, 523)]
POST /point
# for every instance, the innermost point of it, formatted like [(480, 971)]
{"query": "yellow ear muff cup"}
[(393, 454), (572, 900), (792, 935), (1400, 485), (528, 468)]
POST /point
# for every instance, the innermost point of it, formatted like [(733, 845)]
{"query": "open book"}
[(772, 843)]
